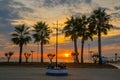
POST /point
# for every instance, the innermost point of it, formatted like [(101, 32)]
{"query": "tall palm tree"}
[(70, 30), (99, 22), (84, 33), (41, 35), (21, 37)]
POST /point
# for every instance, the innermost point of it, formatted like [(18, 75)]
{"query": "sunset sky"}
[(14, 12)]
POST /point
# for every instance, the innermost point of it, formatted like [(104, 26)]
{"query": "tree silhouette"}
[(27, 56), (99, 23), (42, 33), (83, 32), (9, 55), (71, 30), (21, 37), (50, 56)]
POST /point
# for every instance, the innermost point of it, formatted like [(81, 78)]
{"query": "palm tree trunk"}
[(76, 51), (99, 45), (20, 56), (41, 52), (37, 51), (82, 47)]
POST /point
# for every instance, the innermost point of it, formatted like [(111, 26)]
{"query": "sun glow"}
[(66, 55)]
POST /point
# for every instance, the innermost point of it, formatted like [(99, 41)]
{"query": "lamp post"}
[(115, 57), (38, 52), (32, 55), (88, 51)]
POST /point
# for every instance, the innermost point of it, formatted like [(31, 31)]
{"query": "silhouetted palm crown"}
[(71, 28), (42, 32), (21, 35), (100, 18)]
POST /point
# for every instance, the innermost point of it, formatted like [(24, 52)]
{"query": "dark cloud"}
[(6, 13), (52, 3), (111, 40), (104, 8), (19, 7), (48, 3), (87, 1), (105, 41), (115, 16), (117, 28), (17, 3), (77, 14), (24, 9), (117, 8)]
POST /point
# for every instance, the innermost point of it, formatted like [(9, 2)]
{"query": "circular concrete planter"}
[(57, 71)]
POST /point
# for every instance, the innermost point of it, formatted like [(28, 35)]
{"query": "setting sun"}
[(66, 55)]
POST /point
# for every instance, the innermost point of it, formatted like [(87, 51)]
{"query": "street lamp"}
[(32, 55), (115, 57)]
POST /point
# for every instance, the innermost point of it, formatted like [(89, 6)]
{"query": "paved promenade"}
[(22, 73), (116, 65)]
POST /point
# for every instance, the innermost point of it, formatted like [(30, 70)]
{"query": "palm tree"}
[(42, 33), (21, 37), (71, 30), (99, 23), (9, 55), (84, 32)]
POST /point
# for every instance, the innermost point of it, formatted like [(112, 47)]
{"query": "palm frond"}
[(41, 32), (21, 35)]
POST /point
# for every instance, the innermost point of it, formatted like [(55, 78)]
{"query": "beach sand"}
[(23, 73)]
